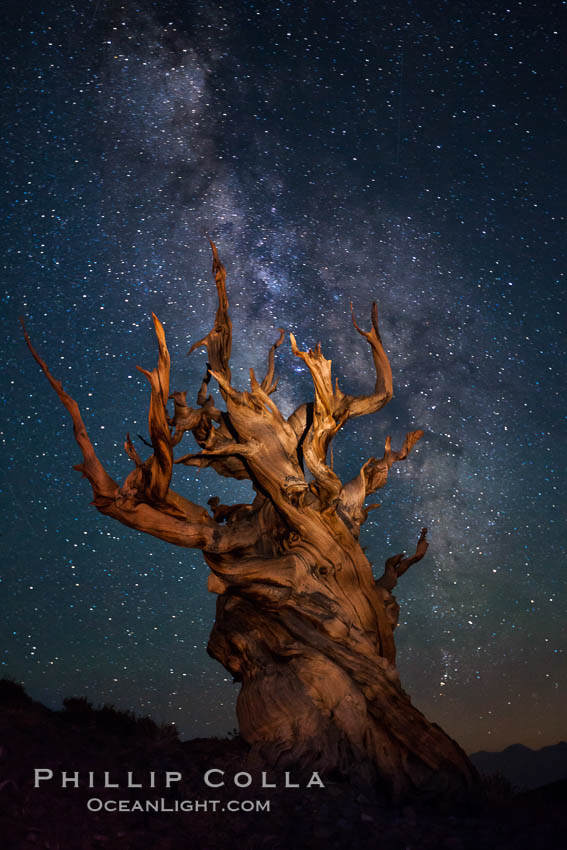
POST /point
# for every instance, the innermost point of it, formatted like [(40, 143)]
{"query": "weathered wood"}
[(301, 621)]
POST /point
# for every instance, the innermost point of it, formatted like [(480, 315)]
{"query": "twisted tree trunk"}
[(311, 641), (301, 621)]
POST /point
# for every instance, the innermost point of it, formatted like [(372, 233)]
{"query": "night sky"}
[(408, 152)]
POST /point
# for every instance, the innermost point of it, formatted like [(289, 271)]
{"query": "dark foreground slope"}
[(86, 740)]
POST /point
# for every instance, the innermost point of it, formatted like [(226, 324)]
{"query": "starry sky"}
[(408, 152)]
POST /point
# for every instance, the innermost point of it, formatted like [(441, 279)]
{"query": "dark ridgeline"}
[(82, 738), (523, 767)]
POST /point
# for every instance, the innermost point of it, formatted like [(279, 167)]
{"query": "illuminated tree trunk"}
[(301, 621), (316, 688)]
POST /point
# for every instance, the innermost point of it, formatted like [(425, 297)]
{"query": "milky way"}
[(409, 153)]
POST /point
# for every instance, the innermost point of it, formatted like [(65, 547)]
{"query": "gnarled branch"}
[(219, 339), (268, 384), (161, 463), (373, 476), (102, 484), (325, 424), (332, 407), (144, 501), (397, 565), (383, 388), (376, 470)]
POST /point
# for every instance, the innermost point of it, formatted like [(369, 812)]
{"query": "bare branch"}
[(224, 449), (199, 532), (372, 477), (327, 397), (219, 339), (144, 502), (376, 470), (161, 465), (326, 422), (383, 388), (397, 565), (268, 384), (209, 437), (421, 549), (332, 407), (231, 513), (331, 400), (220, 448), (131, 451), (185, 418), (102, 484)]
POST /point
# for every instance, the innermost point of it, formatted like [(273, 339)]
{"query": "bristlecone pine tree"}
[(300, 621)]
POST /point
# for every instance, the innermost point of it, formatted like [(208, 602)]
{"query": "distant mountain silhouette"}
[(524, 767)]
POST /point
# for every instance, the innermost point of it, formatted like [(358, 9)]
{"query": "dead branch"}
[(376, 470), (383, 387), (102, 484), (397, 565), (218, 341), (268, 384), (144, 502)]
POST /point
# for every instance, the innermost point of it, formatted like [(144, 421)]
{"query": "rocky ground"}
[(338, 816)]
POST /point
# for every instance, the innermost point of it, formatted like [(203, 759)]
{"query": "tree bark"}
[(301, 621), (313, 649)]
